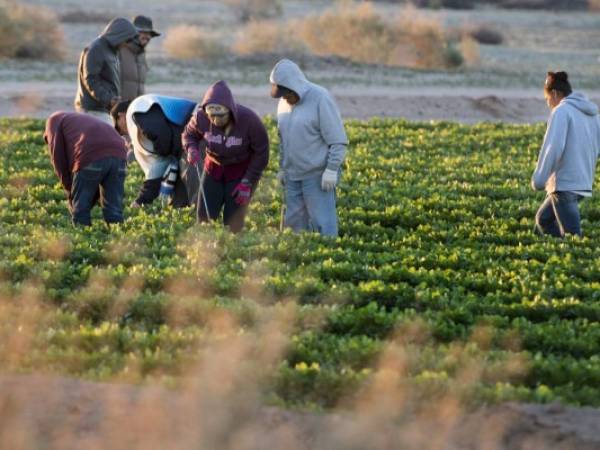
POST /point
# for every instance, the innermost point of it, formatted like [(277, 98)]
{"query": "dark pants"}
[(218, 196), (106, 175), (559, 214)]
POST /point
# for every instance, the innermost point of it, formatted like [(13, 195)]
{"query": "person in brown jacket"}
[(134, 67), (88, 155)]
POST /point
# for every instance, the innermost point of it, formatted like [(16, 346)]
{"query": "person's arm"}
[(259, 148), (191, 138), (552, 149), (99, 89), (333, 132)]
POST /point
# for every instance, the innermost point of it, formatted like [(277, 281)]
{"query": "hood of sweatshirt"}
[(118, 31), (220, 94), (582, 103), (286, 73)]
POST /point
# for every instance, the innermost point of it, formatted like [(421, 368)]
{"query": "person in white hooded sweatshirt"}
[(567, 160), (312, 149)]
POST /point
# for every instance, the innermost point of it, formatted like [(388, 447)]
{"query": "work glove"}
[(242, 192), (329, 180), (193, 156), (281, 177)]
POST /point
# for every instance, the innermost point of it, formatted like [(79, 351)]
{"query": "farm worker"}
[(99, 72), (88, 156), (154, 124), (567, 160), (313, 147), (235, 155), (132, 58)]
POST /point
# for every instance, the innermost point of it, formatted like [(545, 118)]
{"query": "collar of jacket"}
[(136, 47)]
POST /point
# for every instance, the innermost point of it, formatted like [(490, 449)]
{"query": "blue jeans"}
[(218, 196), (559, 214), (106, 176), (310, 208)]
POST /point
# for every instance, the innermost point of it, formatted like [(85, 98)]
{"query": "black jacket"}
[(99, 73)]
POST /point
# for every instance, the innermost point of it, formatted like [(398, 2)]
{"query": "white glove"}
[(329, 180), (281, 177)]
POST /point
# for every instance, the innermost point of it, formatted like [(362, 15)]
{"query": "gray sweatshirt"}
[(567, 160), (311, 132)]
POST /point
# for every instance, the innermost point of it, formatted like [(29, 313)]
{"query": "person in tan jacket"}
[(134, 67)]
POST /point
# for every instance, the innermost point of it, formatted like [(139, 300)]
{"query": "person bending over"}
[(154, 124), (235, 156), (88, 156)]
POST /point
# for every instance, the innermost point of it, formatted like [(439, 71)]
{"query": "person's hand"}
[(329, 180), (242, 192), (193, 156), (135, 205), (281, 177)]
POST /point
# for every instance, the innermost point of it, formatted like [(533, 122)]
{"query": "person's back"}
[(88, 156), (90, 139), (575, 170), (99, 84)]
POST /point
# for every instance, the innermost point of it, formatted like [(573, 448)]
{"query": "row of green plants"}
[(436, 259)]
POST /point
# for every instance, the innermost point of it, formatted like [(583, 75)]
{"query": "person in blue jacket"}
[(154, 124)]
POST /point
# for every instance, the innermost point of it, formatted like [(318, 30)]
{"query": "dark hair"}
[(120, 107), (558, 81)]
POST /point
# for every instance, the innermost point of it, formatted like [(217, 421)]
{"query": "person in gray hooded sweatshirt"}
[(567, 160), (99, 73), (312, 149)]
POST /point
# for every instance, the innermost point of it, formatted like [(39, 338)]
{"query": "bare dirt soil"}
[(60, 413), (462, 104)]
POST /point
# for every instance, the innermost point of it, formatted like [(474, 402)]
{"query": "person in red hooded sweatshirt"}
[(234, 144), (89, 158)]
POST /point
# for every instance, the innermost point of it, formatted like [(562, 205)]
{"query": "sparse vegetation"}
[(360, 34), (247, 10), (267, 37), (29, 32), (191, 42)]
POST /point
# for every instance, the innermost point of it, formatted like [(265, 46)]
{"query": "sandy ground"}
[(60, 413), (463, 104)]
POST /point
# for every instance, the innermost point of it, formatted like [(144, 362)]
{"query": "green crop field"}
[(436, 257)]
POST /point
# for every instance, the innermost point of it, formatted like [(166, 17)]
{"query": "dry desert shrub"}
[(358, 33), (469, 49), (594, 5), (29, 32), (420, 42), (247, 10), (191, 42), (266, 37)]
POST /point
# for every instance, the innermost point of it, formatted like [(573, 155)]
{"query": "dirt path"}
[(61, 413), (467, 105)]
